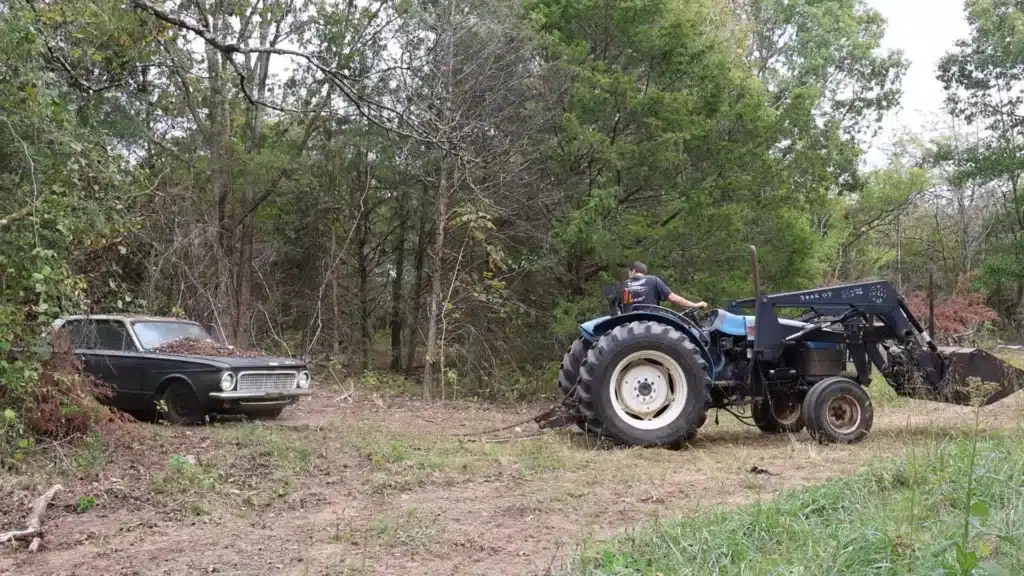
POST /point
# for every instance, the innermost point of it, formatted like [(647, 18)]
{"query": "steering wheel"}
[(691, 314)]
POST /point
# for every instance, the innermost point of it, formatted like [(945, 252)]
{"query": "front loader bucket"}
[(969, 377)]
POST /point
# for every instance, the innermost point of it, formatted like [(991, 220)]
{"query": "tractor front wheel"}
[(777, 415), (647, 385), (838, 410)]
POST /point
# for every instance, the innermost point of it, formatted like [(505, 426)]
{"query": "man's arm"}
[(677, 299)]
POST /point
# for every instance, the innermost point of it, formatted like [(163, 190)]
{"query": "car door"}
[(107, 352)]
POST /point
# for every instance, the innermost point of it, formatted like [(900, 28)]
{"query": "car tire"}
[(181, 405)]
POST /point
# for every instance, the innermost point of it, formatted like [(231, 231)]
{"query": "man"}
[(652, 290)]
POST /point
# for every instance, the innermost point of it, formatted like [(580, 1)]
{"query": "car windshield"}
[(155, 334)]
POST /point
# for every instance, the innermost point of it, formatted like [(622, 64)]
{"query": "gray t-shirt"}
[(647, 289)]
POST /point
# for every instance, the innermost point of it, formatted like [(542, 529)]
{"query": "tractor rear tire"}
[(568, 378), (645, 366), (837, 410), (775, 416)]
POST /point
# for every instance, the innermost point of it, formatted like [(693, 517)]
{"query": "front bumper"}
[(265, 396)]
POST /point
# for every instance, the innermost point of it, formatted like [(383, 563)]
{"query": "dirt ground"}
[(377, 486)]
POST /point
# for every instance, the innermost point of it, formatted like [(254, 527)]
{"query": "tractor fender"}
[(592, 330)]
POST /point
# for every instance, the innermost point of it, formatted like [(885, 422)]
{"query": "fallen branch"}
[(347, 395), (34, 530), (15, 216)]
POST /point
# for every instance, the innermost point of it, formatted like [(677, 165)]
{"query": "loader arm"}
[(875, 324)]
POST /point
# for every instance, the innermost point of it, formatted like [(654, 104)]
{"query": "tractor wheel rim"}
[(786, 412), (648, 390), (843, 414)]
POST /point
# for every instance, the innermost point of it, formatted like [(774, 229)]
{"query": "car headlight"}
[(227, 381), (303, 380)]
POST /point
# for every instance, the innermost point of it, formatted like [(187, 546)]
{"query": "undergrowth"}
[(255, 466), (402, 463), (59, 403), (952, 506)]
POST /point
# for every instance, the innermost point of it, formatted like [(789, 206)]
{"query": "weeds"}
[(402, 463), (410, 529), (186, 475), (91, 454), (85, 503), (918, 515)]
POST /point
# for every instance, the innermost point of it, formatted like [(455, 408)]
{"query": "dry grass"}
[(386, 487)]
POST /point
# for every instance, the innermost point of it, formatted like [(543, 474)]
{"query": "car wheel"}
[(181, 405)]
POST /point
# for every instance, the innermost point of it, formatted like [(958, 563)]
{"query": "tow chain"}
[(555, 416)]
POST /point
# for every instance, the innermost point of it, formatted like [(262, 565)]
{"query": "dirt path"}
[(371, 488)]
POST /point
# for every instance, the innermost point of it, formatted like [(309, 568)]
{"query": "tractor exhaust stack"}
[(756, 271)]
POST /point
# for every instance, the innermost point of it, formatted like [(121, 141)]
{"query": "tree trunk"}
[(335, 306), (396, 284), (218, 142), (433, 314), (364, 312), (254, 133), (412, 313)]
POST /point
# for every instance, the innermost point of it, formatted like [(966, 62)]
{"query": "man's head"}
[(637, 269)]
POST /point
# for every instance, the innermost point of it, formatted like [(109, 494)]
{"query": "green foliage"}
[(676, 149), (84, 504), (63, 196), (186, 475), (900, 517), (984, 80)]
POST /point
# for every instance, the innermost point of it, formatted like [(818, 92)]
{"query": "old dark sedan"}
[(129, 354)]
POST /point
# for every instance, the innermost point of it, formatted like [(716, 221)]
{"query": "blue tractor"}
[(647, 376)]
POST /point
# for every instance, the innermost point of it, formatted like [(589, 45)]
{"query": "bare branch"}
[(35, 520), (368, 108)]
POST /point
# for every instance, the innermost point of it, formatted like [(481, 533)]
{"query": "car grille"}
[(266, 381)]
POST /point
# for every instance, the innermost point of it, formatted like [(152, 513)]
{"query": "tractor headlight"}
[(227, 381), (303, 380)]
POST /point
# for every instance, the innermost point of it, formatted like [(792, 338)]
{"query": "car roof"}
[(123, 317)]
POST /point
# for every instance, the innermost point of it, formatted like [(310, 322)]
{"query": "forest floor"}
[(383, 486)]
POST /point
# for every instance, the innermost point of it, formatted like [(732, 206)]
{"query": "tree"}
[(984, 81), (64, 193)]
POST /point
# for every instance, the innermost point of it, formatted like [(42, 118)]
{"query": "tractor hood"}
[(738, 325)]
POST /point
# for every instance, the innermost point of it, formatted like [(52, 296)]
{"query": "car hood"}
[(260, 362), (241, 362)]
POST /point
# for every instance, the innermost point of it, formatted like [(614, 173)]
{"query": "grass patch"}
[(410, 529), (932, 512), (91, 455), (401, 463), (252, 467)]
